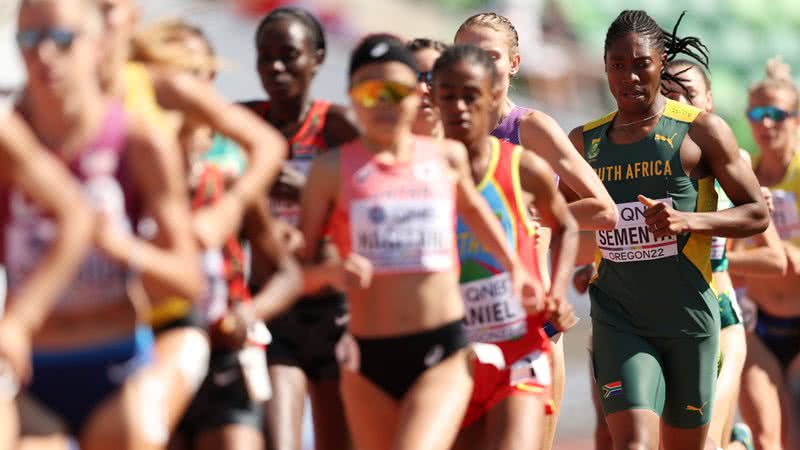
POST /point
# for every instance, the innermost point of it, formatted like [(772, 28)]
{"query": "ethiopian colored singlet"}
[(654, 314), (493, 315)]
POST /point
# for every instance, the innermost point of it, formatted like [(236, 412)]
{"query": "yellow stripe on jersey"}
[(680, 111), (516, 184), (601, 121), (493, 160), (698, 248)]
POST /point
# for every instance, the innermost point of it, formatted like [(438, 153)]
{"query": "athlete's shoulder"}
[(259, 107), (535, 122), (340, 124), (681, 111), (597, 123)]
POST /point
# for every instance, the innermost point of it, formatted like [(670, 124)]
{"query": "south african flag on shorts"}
[(612, 389)]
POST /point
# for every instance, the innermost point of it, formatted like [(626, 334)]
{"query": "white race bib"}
[(403, 234), (631, 240), (492, 313), (785, 215), (718, 247)]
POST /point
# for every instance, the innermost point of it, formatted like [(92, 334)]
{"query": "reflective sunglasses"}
[(30, 39), (368, 93), (425, 77), (759, 113)]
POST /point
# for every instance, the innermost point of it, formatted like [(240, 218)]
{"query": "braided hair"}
[(640, 23), (497, 23), (470, 53), (298, 15)]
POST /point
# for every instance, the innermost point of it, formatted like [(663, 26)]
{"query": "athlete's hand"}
[(234, 326), (289, 235), (583, 275), (528, 289), (354, 272), (290, 183), (662, 220), (560, 313), (767, 194), (15, 347)]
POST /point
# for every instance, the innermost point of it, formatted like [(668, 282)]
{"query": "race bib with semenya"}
[(631, 241)]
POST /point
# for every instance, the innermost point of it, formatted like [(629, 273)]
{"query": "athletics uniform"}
[(782, 334), (508, 130), (493, 315), (224, 397), (73, 382), (654, 314), (729, 312), (402, 219), (306, 335)]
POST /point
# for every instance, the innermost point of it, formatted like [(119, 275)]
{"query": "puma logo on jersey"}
[(668, 140), (695, 408)]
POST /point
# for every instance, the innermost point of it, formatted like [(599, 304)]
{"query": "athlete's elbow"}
[(760, 218)]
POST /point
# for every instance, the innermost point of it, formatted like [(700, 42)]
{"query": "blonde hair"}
[(497, 23), (162, 44), (778, 76)]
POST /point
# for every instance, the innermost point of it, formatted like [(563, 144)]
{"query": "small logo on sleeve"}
[(612, 389)]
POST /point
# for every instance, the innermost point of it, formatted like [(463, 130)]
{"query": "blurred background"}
[(562, 73)]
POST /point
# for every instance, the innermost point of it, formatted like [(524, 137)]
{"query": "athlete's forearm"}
[(280, 292), (31, 303), (564, 251), (593, 214), (757, 262), (737, 222)]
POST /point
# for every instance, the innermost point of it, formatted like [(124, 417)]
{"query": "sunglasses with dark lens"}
[(30, 39), (368, 93), (774, 113), (425, 77)]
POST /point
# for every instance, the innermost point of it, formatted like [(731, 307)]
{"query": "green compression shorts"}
[(675, 376), (729, 312)]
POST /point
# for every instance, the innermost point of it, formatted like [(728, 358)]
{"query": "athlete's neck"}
[(641, 117), (66, 124), (424, 128), (479, 152), (289, 112), (390, 151), (503, 111)]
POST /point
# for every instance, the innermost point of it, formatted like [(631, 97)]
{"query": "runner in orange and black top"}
[(291, 47)]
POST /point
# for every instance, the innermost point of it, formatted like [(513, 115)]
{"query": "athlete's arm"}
[(25, 164), (265, 147), (283, 287), (472, 208), (170, 263), (767, 259), (537, 180), (720, 153), (542, 134)]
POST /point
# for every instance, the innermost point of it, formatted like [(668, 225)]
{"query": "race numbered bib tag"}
[(784, 216), (631, 240), (403, 234), (533, 368), (493, 314), (253, 360), (718, 247)]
